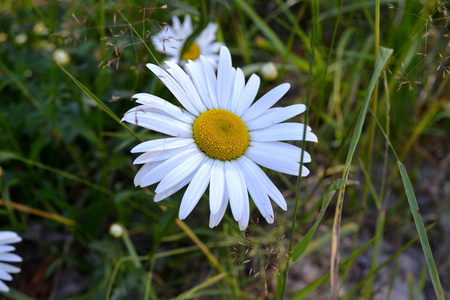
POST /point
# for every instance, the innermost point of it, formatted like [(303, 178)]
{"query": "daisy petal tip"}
[(158, 197), (224, 48), (242, 226), (150, 66), (283, 205), (212, 224), (269, 219), (182, 214)]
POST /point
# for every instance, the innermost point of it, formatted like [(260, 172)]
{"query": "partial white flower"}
[(218, 139), (170, 41), (6, 238)]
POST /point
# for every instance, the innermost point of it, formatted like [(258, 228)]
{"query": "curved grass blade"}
[(101, 104), (421, 231), (311, 287), (326, 199), (414, 207), (9, 155), (383, 56), (208, 282)]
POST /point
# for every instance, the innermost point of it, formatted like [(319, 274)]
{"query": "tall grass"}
[(374, 76)]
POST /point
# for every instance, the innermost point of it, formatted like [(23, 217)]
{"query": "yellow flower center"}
[(220, 134), (192, 53)]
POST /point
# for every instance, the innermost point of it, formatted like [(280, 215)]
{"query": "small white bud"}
[(61, 57), (116, 230), (21, 38), (269, 71), (40, 28)]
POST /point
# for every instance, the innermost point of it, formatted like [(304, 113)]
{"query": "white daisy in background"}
[(170, 41), (218, 139), (6, 238)]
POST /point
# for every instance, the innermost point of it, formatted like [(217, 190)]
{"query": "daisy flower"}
[(170, 41), (6, 238), (218, 139)]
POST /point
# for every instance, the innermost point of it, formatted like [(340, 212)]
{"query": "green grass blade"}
[(262, 25), (320, 242), (367, 179), (100, 104), (372, 273), (311, 287), (326, 199), (59, 172), (205, 284), (417, 219), (421, 231), (383, 56), (382, 59), (381, 219)]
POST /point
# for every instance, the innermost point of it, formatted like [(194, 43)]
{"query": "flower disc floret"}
[(220, 134), (192, 53)]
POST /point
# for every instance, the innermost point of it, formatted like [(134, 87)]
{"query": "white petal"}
[(243, 221), (214, 219), (181, 171), (160, 170), (238, 87), (5, 276), (207, 36), (176, 24), (9, 237), (3, 287), (248, 94), (217, 186), (237, 189), (211, 81), (186, 84), (225, 77), (10, 257), (174, 87), (169, 192), (165, 106), (162, 144), (161, 155), (277, 163), (265, 183), (275, 115), (187, 25), (157, 121), (9, 268), (280, 149), (265, 102), (195, 70), (144, 170), (195, 190), (6, 248), (283, 132), (258, 194)]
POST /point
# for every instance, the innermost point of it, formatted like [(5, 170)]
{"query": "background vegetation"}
[(67, 173)]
